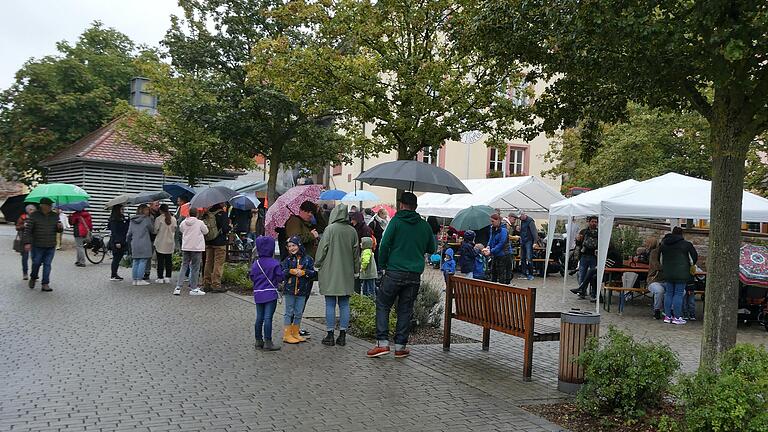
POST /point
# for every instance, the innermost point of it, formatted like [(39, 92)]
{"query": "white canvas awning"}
[(526, 194)]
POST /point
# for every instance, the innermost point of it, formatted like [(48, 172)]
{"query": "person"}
[(138, 237), (64, 220), (367, 216), (215, 248), (378, 224), (154, 213), (266, 274), (500, 251), (449, 265), (467, 254), (352, 209), (586, 242), (358, 222), (300, 226), (193, 232), (528, 236), (338, 259), (481, 263), (253, 226), (511, 222), (677, 256), (299, 270), (165, 233), (613, 259), (21, 225), (182, 212), (369, 272), (118, 228), (406, 241), (435, 226), (40, 239), (82, 225), (655, 279)]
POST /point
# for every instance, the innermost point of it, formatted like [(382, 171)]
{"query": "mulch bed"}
[(569, 416), (237, 289), (421, 336)]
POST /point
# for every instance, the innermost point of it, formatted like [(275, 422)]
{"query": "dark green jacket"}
[(676, 254), (41, 229), (406, 240)]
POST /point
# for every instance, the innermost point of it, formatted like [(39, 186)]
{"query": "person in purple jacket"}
[(266, 274)]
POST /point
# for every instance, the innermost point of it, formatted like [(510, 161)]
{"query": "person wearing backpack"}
[(586, 241), (215, 247)]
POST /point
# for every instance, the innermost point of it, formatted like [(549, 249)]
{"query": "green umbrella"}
[(60, 193), (473, 218)]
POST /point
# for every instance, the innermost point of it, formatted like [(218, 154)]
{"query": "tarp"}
[(527, 194)]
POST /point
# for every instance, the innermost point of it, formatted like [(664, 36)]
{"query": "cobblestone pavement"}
[(101, 355)]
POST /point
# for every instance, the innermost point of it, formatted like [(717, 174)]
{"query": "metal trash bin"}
[(576, 327)]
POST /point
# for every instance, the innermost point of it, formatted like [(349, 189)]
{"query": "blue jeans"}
[(689, 304), (402, 287), (24, 262), (42, 256), (673, 299), (264, 314), (294, 307), (526, 257), (586, 262), (657, 290), (330, 312), (369, 287), (139, 264), (190, 267)]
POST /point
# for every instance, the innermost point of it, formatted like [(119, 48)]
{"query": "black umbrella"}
[(413, 176), (13, 208), (123, 199), (148, 197), (212, 196)]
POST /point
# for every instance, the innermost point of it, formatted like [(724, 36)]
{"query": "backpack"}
[(590, 242), (210, 223)]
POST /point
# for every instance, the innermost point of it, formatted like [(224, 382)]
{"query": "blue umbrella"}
[(245, 202), (76, 206), (361, 195), (332, 195), (177, 190)]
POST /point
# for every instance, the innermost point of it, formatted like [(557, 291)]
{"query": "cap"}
[(46, 200), (409, 199)]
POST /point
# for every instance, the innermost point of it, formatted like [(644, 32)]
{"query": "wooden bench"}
[(497, 307)]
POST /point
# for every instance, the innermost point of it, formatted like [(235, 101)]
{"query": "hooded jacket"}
[(499, 241), (338, 255), (467, 253), (296, 283), (676, 254), (118, 229), (165, 235), (266, 272), (193, 232), (139, 236), (368, 269), (406, 240), (449, 265)]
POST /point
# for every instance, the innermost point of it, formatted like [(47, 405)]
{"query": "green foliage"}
[(176, 259), (126, 261), (362, 317), (624, 377), (428, 310), (627, 240), (236, 275), (731, 397)]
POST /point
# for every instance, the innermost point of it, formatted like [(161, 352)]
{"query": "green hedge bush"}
[(236, 275), (362, 317), (428, 309)]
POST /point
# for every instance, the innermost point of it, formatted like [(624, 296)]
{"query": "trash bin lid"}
[(575, 316)]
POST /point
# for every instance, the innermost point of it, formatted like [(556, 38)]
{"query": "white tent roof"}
[(527, 194), (588, 203)]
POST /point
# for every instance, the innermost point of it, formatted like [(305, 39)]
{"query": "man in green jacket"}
[(40, 239), (401, 255)]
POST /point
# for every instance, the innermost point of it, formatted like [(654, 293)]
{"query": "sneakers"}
[(667, 320), (523, 278), (305, 334), (678, 321), (115, 278), (403, 353), (197, 292), (25, 277), (160, 281), (140, 282), (693, 318), (177, 291), (530, 277), (80, 264), (46, 288), (656, 314), (167, 280), (378, 351)]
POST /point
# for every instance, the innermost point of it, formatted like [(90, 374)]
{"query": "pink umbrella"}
[(390, 210), (288, 204)]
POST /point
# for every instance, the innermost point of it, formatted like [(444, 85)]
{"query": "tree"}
[(389, 63), (707, 56), (58, 99)]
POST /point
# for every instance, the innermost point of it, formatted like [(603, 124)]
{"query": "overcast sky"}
[(31, 28)]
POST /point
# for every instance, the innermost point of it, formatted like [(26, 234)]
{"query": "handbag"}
[(88, 234), (17, 246), (692, 268)]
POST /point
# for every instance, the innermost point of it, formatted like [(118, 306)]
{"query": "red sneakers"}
[(402, 353), (378, 351)]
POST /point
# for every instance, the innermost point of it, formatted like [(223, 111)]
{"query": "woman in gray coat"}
[(138, 237)]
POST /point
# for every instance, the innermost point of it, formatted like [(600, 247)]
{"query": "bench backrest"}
[(499, 307)]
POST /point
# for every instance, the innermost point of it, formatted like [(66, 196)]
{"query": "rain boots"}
[(288, 336), (295, 332)]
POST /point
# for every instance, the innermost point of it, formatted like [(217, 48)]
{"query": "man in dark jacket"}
[(406, 241), (467, 254), (215, 249), (677, 256), (586, 241), (528, 235), (40, 239)]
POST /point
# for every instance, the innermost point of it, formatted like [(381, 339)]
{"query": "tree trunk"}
[(729, 150), (274, 166), (402, 154)]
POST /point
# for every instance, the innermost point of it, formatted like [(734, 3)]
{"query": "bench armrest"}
[(547, 314)]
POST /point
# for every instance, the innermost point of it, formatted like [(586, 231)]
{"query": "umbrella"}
[(390, 210), (332, 195), (288, 204), (77, 206), (213, 195), (245, 202), (473, 218), (60, 193), (179, 190), (13, 207), (413, 176), (148, 197), (753, 265), (120, 200), (361, 195)]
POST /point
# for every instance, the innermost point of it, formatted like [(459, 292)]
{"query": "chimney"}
[(141, 97)]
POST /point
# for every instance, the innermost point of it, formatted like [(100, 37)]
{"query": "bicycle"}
[(97, 247)]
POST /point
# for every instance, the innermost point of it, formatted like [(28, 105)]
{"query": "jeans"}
[(586, 263), (42, 256), (590, 279), (117, 256), (190, 264), (164, 265), (80, 248), (657, 291), (148, 266), (139, 264), (526, 257), (294, 308), (214, 265), (369, 287), (264, 314), (689, 304), (24, 261), (402, 287), (330, 312), (673, 299)]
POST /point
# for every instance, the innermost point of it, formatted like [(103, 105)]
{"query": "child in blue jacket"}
[(449, 265), (299, 269), (481, 263)]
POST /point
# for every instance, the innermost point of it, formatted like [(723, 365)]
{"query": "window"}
[(428, 157), (519, 95), (516, 161), (496, 161), (336, 170)]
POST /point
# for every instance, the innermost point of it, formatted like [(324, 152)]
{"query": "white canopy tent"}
[(524, 194)]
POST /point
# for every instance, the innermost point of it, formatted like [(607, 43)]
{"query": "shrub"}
[(731, 396), (428, 310), (362, 317), (627, 240), (623, 376), (236, 275), (176, 258)]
